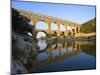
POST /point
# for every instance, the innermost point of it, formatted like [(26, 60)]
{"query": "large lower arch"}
[(41, 25)]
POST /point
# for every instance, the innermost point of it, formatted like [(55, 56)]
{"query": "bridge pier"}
[(49, 29), (58, 31)]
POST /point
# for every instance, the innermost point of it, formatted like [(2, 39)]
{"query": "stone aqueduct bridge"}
[(35, 17)]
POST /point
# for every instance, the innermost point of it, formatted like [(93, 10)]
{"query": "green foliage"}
[(20, 22), (89, 26), (54, 34)]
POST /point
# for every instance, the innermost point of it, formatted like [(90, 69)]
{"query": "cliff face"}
[(24, 48)]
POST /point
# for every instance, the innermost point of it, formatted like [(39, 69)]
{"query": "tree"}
[(54, 34), (20, 23)]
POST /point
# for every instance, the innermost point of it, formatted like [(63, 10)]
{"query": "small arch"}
[(69, 28), (41, 25), (62, 27), (54, 26)]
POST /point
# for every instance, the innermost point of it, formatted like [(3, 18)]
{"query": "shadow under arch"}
[(54, 34), (77, 29)]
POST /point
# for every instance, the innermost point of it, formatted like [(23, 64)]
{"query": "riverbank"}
[(92, 38)]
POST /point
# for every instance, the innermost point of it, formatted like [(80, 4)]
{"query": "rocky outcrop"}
[(23, 49)]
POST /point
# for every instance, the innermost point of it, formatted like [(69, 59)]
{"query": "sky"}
[(75, 13)]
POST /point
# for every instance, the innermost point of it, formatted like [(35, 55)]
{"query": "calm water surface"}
[(64, 56)]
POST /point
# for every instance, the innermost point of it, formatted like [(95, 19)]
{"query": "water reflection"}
[(42, 44), (61, 52)]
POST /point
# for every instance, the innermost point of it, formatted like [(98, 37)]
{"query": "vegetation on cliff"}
[(89, 26), (20, 23)]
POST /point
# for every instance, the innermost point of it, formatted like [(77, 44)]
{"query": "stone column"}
[(49, 28), (75, 31), (58, 31), (78, 29), (71, 31), (66, 30), (34, 23)]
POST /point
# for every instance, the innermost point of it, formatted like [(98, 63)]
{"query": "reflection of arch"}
[(63, 51), (54, 26), (42, 56), (45, 32), (41, 25), (55, 53)]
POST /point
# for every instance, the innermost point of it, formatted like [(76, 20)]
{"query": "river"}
[(64, 56)]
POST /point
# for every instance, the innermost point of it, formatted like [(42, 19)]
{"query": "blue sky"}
[(74, 13)]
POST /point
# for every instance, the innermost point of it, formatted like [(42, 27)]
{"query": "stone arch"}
[(41, 24), (68, 27), (54, 26), (62, 27)]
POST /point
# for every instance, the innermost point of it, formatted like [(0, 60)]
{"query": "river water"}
[(64, 56)]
